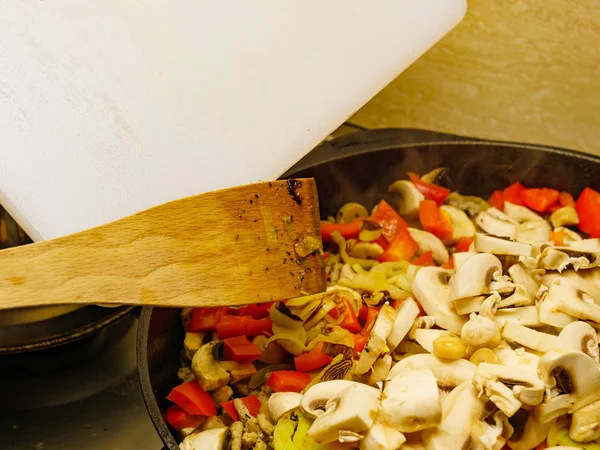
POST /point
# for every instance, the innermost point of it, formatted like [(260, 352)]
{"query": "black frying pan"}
[(359, 167)]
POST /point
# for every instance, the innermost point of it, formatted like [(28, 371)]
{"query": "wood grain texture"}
[(516, 70), (207, 250)]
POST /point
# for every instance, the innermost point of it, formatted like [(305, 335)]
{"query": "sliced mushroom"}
[(573, 374), (316, 397), (460, 258), (411, 401), (422, 322), (548, 305), (518, 298), (363, 250), (352, 409), (448, 374), (589, 279), (585, 423), (382, 437), (574, 300), (561, 258), (462, 227), (405, 317), (431, 290), (565, 216), (281, 402), (192, 343), (479, 330), (350, 212), (380, 370), (477, 277), (508, 389), (587, 245), (377, 339), (522, 277), (527, 316), (536, 340), (408, 197), (518, 358), (206, 368), (580, 336), (430, 243), (491, 436), (529, 430), (495, 222), (520, 213), (370, 231), (215, 439), (460, 410), (532, 232), (497, 246)]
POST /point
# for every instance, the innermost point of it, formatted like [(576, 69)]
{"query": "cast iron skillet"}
[(359, 167)]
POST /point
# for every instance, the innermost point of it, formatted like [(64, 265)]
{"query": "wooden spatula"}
[(236, 246)]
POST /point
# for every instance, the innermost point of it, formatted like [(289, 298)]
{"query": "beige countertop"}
[(517, 70)]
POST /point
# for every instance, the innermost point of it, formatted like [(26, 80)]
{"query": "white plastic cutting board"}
[(108, 107)]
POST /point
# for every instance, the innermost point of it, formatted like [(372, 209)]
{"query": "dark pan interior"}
[(359, 167)]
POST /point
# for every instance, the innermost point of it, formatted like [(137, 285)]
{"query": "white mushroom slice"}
[(587, 245), (520, 213), (519, 298), (530, 431), (382, 437), (214, 439), (536, 340), (425, 322), (474, 277), (461, 257), (574, 300), (560, 258), (281, 402), (572, 373), (409, 197), (548, 307), (466, 306), (489, 307), (430, 243), (518, 358), (580, 336), (585, 423), (485, 436), (524, 315), (533, 232), (431, 290), (209, 374), (497, 246), (565, 216), (425, 337), (352, 409), (462, 227), (405, 317), (589, 279), (495, 222), (460, 410), (192, 343), (507, 388), (523, 278), (570, 236), (316, 397), (448, 374), (377, 339), (479, 330), (380, 370), (411, 402), (358, 249)]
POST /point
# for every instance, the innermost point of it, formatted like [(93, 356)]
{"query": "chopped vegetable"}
[(558, 237), (350, 321), (566, 199), (231, 326), (513, 193), (193, 399), (588, 208), (206, 319), (257, 311), (497, 200), (464, 245), (426, 259), (402, 248), (387, 217), (313, 359), (540, 199), (252, 402), (239, 348), (430, 191), (434, 220), (179, 419), (288, 381), (347, 230)]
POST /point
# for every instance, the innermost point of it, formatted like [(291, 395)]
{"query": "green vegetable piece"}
[(559, 436)]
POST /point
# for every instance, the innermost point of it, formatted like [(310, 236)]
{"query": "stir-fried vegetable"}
[(476, 331)]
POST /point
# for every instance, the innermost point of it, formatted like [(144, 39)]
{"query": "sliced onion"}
[(323, 311), (289, 342)]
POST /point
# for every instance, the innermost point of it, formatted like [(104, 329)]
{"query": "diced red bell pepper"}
[(239, 348), (558, 237), (588, 209), (179, 419), (252, 402), (334, 313), (540, 199), (513, 193), (426, 259), (434, 220), (350, 321), (257, 311), (372, 313), (359, 342), (389, 219), (193, 399), (430, 191), (566, 199), (363, 312), (382, 242), (496, 200), (448, 265), (288, 380), (313, 359), (206, 319), (347, 230), (402, 248), (231, 326), (463, 245), (325, 255)]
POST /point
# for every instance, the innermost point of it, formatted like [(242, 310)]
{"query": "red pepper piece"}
[(389, 219), (426, 259), (382, 242), (257, 311), (566, 199), (372, 313), (558, 237), (252, 402), (402, 248), (179, 419), (513, 193), (259, 327), (540, 199), (463, 245), (206, 319), (313, 359), (433, 220), (359, 342), (347, 230), (193, 399), (430, 191), (588, 209), (496, 200), (350, 321), (449, 265), (334, 313), (239, 348), (288, 381), (232, 326)]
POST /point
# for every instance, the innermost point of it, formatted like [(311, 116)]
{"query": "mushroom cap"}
[(531, 433), (495, 222), (281, 402), (497, 246), (214, 439), (448, 373), (209, 374), (474, 276), (316, 397), (408, 197), (478, 330), (580, 336), (462, 226), (382, 437), (428, 242), (405, 317)]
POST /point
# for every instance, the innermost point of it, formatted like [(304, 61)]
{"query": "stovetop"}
[(95, 406)]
